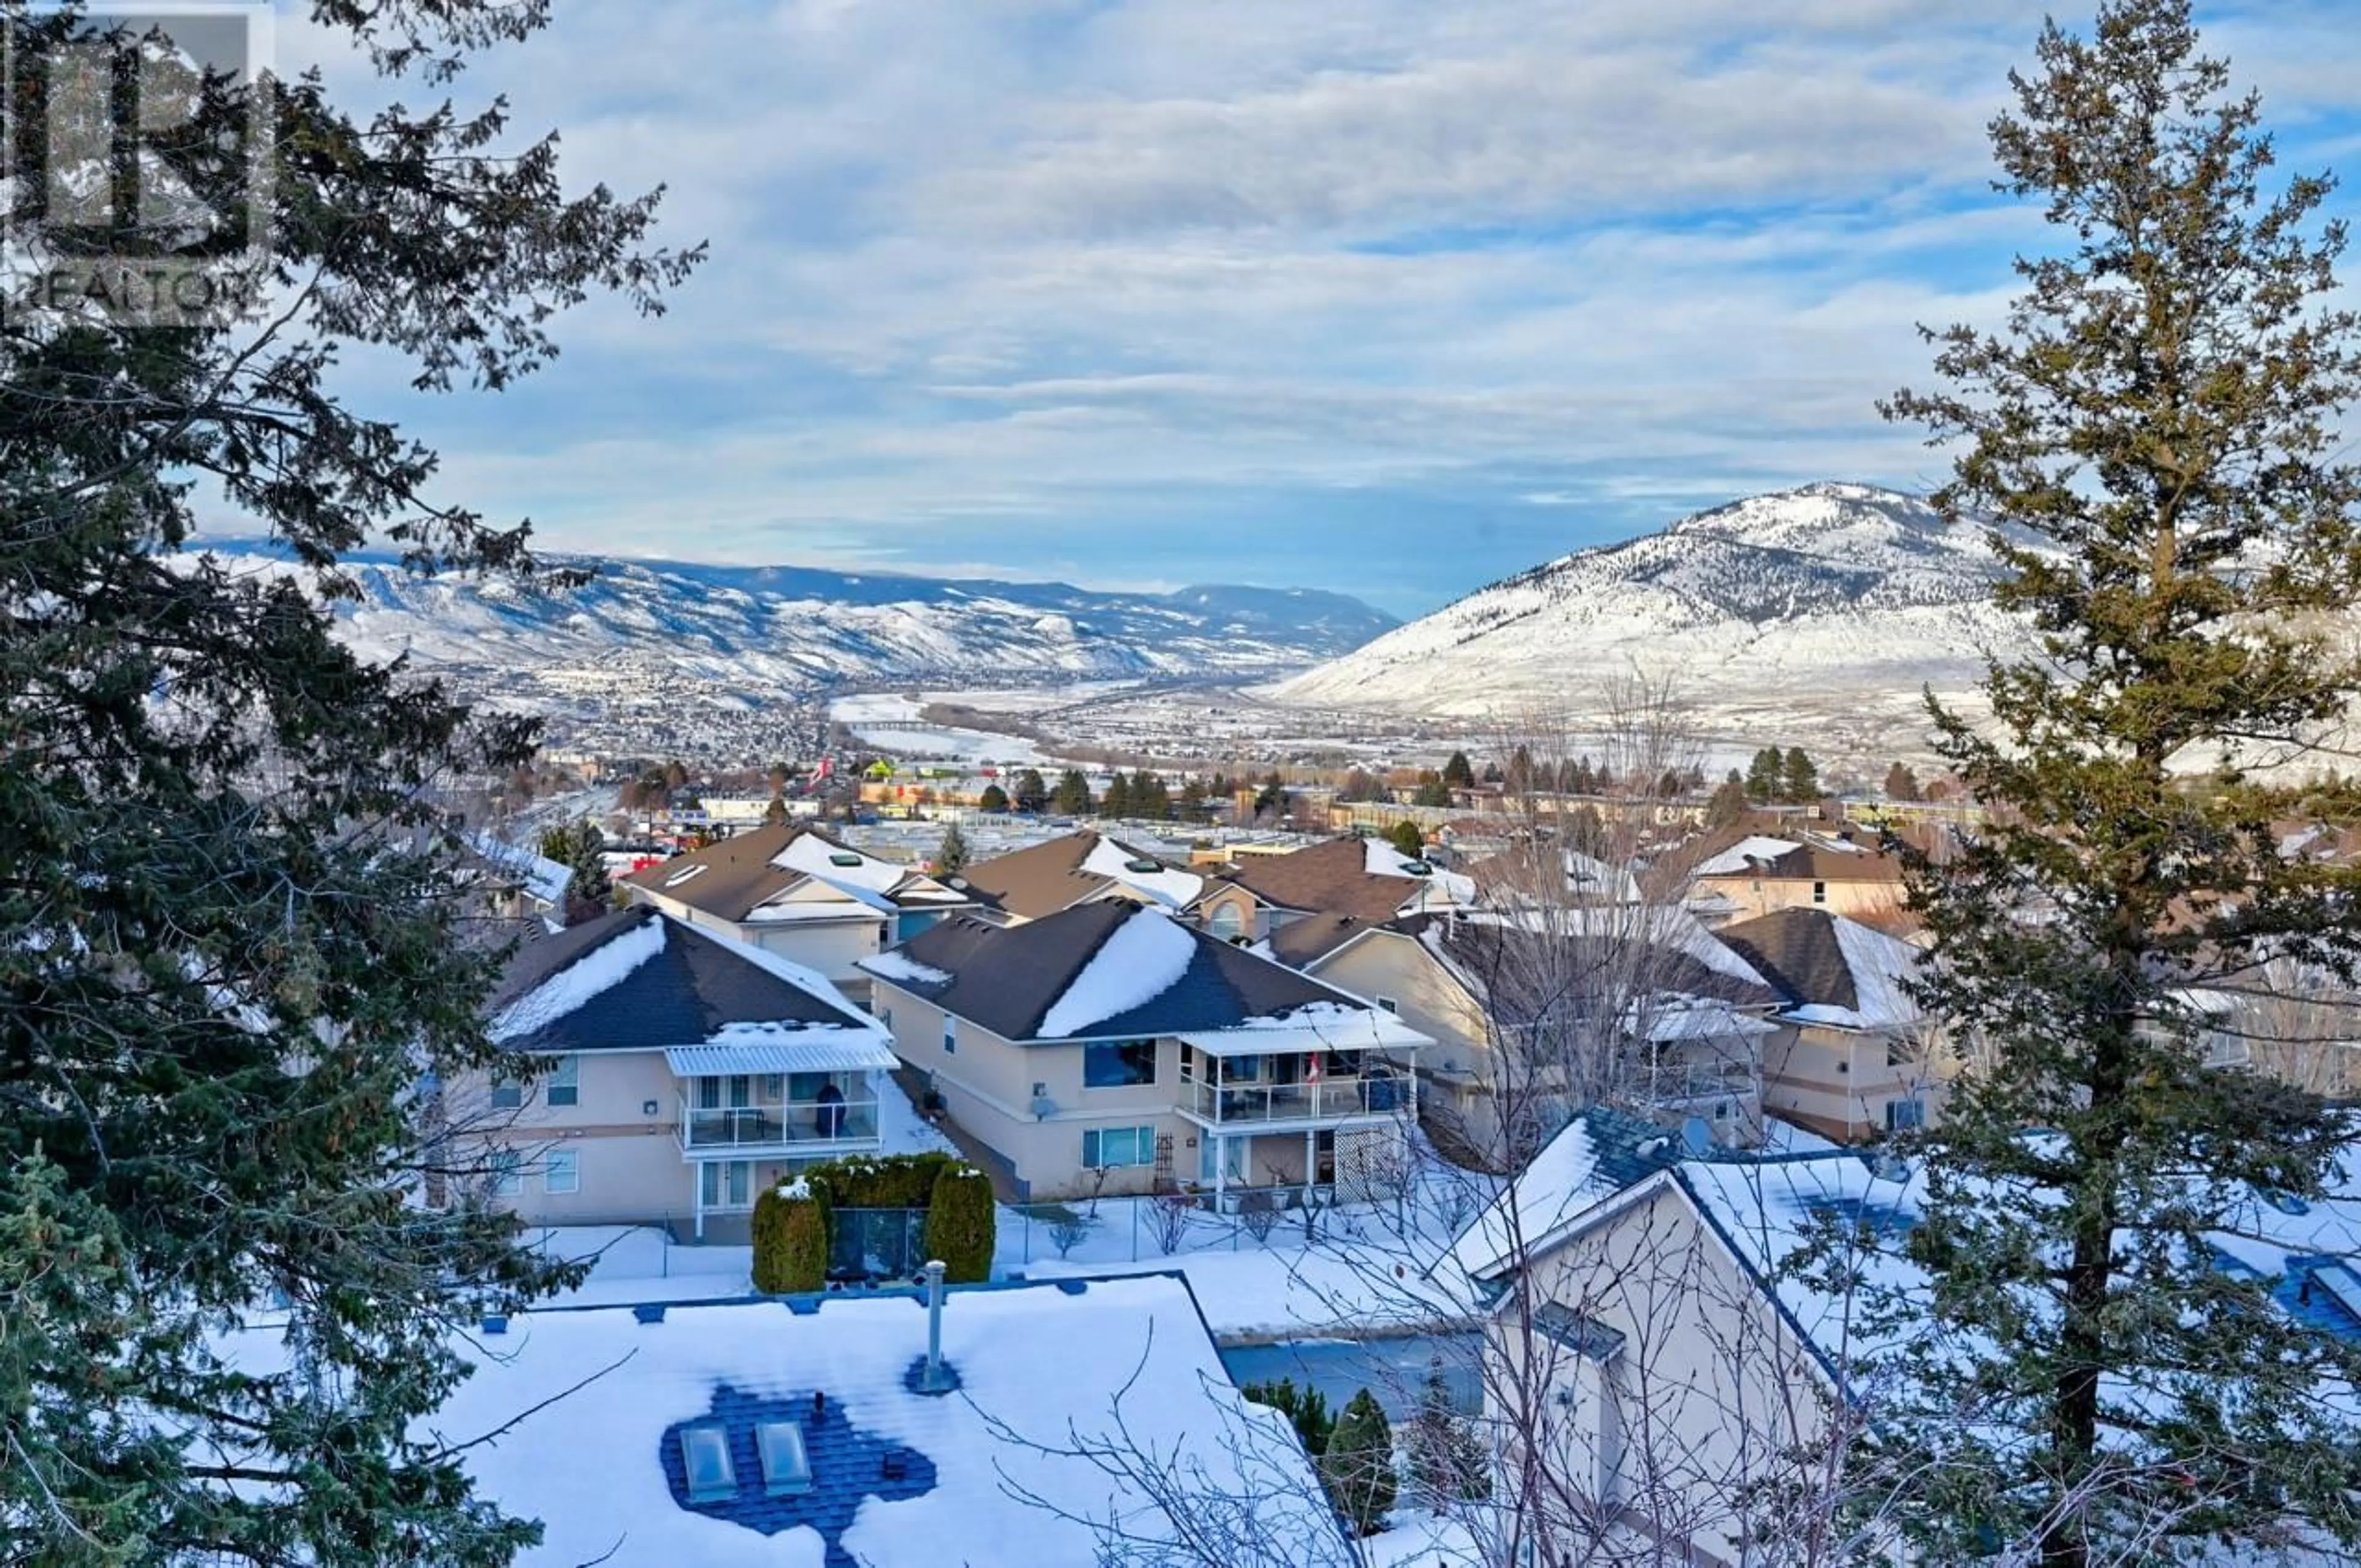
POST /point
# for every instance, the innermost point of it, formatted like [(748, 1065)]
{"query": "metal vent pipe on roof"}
[(934, 1381)]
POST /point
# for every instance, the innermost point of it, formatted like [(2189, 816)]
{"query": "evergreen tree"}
[(1728, 803), (1072, 798), (589, 892), (1446, 1457), (1458, 772), (1358, 1465), (1521, 779), (1150, 799), (1404, 836), (1901, 783), (1116, 802), (234, 938), (1799, 781), (1432, 793), (2160, 431), (1193, 807), (952, 854), (1766, 776), (1031, 792), (1492, 773), (991, 798)]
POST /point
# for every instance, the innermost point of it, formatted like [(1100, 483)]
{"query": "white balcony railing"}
[(788, 1127), (1323, 1100)]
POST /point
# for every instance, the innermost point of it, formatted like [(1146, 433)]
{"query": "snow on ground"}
[(1145, 957), (908, 737)]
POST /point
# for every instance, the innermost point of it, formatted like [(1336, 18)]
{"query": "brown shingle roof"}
[(1044, 878), (737, 874), (1325, 878), (1797, 950)]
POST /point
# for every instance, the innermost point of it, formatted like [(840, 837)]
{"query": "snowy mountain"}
[(773, 631), (1831, 598)]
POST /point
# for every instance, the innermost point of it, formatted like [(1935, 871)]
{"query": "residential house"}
[(1509, 999), (1661, 1350), (1076, 868), (521, 883), (794, 891), (1366, 877), (666, 1072), (759, 1434), (1109, 1047), (1759, 874), (1857, 1060)]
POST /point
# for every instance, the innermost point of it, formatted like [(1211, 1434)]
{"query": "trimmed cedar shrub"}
[(960, 1224), (1306, 1408), (791, 1232), (881, 1181)]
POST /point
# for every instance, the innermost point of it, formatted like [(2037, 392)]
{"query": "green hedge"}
[(959, 1225), (791, 1231), (881, 1181)]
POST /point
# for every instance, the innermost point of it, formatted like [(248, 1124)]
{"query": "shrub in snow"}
[(790, 1235), (1259, 1213), (1306, 1409), (882, 1180), (1358, 1467), (1067, 1227), (1169, 1215), (959, 1225)]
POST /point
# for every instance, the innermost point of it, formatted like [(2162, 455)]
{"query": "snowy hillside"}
[(776, 630), (1810, 600)]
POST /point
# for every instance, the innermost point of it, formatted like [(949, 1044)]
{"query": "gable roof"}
[(640, 980), (1301, 943), (1662, 950), (1802, 856), (585, 1407), (734, 878), (1366, 877), (1829, 970), (1596, 1156), (1104, 970), (1044, 878)]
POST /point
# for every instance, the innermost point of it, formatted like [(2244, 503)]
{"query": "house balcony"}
[(1679, 1087), (1247, 1107), (787, 1128)]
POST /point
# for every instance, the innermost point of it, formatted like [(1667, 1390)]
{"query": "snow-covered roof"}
[(767, 1048), (1831, 971), (1438, 887), (1140, 961), (543, 879), (1742, 856), (1117, 863), (899, 1479), (824, 858), (1321, 1026), (1597, 1155), (639, 979)]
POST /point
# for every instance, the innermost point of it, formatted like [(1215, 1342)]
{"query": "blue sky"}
[(1393, 297)]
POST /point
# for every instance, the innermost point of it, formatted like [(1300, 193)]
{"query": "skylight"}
[(786, 1468), (705, 1458), (844, 858)]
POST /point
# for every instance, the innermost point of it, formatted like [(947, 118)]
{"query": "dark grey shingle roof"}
[(697, 986), (1797, 951), (1006, 979)]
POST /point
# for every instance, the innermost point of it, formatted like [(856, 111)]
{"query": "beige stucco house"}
[(1760, 875), (1499, 993), (1855, 1059), (665, 1073), (794, 891), (1109, 1047)]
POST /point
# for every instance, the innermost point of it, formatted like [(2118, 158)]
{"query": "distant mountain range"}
[(795, 631), (1832, 603)]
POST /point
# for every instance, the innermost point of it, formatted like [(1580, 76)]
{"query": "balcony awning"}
[(1370, 1030), (783, 1050)]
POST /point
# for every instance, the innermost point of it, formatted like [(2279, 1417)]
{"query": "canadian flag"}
[(1312, 1071)]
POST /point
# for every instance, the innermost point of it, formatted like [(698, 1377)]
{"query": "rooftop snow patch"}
[(1145, 957), (1163, 883), (1741, 857), (901, 967), (580, 983)]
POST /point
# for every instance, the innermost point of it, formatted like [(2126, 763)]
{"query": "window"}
[(950, 1033), (1103, 1148), (508, 1093), (1118, 1064), (886, 1016), (1819, 892), (507, 1173), (775, 1087), (1390, 1005), (725, 1183), (1226, 921), (561, 1171), (1906, 1115), (786, 1468), (705, 1461), (564, 1085)]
